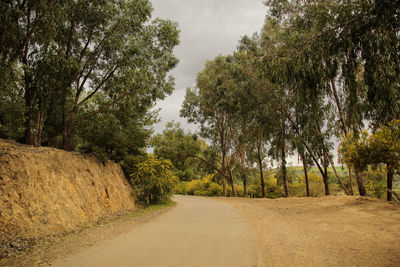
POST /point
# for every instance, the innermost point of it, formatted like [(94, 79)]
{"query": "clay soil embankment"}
[(46, 191), (328, 231)]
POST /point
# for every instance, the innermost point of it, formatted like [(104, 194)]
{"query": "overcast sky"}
[(208, 28)]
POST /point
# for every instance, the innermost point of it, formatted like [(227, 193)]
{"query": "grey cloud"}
[(208, 28)]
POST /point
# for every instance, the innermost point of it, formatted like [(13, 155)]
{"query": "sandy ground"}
[(330, 231), (197, 232)]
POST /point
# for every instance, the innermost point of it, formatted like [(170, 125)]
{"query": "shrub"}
[(205, 187), (315, 184), (297, 189), (272, 189), (193, 186), (375, 183), (180, 188), (254, 190), (154, 181)]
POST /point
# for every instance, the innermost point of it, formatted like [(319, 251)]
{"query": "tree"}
[(120, 55), (352, 44), (206, 105), (81, 64), (383, 146), (179, 147)]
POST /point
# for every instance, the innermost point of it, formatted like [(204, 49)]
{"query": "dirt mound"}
[(45, 191)]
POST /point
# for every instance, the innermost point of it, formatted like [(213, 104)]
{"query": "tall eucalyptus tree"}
[(206, 105)]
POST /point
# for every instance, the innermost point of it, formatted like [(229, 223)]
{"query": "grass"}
[(150, 209)]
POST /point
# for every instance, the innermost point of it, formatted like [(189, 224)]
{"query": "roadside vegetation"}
[(84, 75), (318, 73)]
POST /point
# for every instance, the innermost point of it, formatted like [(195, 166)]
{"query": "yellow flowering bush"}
[(154, 181)]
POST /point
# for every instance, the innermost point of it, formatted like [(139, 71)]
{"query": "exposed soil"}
[(329, 231), (46, 191)]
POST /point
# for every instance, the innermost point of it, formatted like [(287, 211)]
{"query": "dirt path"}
[(328, 231), (197, 232)]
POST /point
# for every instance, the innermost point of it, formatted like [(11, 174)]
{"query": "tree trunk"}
[(37, 137), (64, 127), (351, 182), (336, 174), (232, 182), (68, 129), (28, 114), (28, 103), (283, 167), (224, 185), (261, 170), (223, 178), (389, 176), (326, 182), (305, 174), (283, 156), (243, 170), (245, 186), (360, 183)]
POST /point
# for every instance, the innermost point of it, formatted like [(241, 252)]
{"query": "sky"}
[(207, 28)]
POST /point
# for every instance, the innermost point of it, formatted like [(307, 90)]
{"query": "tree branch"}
[(209, 164), (105, 79), (394, 193)]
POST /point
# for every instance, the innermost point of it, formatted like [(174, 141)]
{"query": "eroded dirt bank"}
[(45, 191), (329, 231)]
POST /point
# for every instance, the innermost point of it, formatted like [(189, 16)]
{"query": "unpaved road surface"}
[(327, 231), (197, 232)]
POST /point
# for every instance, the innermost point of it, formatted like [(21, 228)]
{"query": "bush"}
[(254, 191), (375, 183), (272, 189), (180, 188), (315, 185), (154, 181), (205, 187), (297, 189)]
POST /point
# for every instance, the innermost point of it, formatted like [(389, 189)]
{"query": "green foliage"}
[(154, 181), (273, 190), (382, 146), (205, 187), (83, 74), (254, 191), (315, 183), (375, 183), (179, 147)]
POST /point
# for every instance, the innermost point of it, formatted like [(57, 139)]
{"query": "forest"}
[(320, 80)]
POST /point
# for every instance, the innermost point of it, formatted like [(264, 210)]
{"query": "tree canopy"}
[(318, 70), (83, 74)]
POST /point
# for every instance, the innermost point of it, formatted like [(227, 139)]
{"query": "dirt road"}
[(327, 231), (197, 232)]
